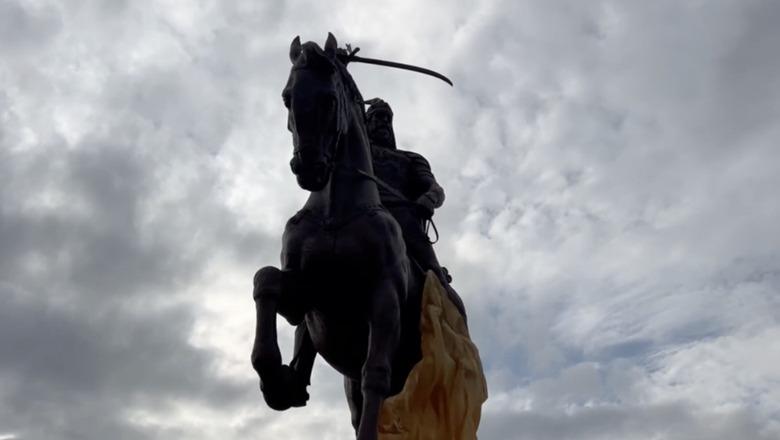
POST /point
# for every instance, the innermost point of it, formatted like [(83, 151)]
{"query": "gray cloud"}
[(25, 27), (94, 321), (673, 421), (74, 373)]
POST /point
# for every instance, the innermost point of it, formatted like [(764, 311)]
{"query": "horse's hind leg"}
[(280, 384), (384, 336), (302, 364), (303, 353), (354, 400)]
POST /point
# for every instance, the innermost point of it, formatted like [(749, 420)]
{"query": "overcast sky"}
[(611, 169)]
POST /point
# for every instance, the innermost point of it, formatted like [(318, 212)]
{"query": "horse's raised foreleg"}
[(384, 336), (282, 385)]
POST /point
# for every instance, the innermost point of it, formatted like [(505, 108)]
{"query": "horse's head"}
[(317, 114)]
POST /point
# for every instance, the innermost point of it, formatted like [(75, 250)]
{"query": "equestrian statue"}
[(358, 277)]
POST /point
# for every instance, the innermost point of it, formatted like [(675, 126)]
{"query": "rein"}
[(428, 222)]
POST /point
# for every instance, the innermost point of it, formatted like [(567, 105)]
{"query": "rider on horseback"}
[(408, 190), (346, 280)]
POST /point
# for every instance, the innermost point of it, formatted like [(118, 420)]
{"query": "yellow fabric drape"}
[(443, 395)]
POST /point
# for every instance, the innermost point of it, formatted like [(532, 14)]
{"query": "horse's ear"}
[(330, 46), (295, 49)]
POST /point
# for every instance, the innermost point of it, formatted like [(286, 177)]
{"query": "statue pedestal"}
[(443, 395)]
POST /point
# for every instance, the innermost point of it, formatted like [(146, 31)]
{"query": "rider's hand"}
[(424, 207)]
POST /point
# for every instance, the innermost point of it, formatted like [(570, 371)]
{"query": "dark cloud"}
[(25, 27), (67, 365), (95, 321)]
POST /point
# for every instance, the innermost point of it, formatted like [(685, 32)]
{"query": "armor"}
[(414, 196), (409, 173)]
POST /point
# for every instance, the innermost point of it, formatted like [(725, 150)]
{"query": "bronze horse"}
[(345, 281)]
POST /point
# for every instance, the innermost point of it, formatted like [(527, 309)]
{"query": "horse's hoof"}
[(284, 389)]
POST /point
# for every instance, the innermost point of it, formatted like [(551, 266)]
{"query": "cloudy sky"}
[(612, 172)]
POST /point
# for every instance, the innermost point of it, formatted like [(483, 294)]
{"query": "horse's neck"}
[(347, 191)]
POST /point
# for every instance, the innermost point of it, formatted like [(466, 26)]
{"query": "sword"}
[(351, 57)]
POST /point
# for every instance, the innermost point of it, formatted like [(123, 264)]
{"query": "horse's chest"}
[(337, 252), (334, 250)]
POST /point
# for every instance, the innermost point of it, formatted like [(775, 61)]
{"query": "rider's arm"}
[(431, 193)]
